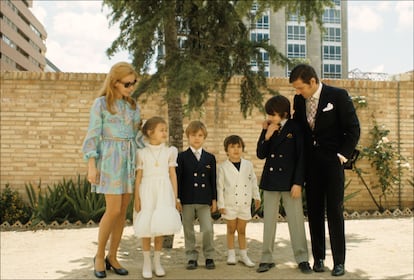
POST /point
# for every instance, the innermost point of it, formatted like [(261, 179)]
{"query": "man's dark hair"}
[(278, 104), (304, 72)]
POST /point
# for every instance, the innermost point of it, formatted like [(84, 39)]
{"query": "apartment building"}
[(326, 51), (22, 44)]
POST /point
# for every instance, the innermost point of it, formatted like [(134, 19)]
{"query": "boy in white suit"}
[(236, 187)]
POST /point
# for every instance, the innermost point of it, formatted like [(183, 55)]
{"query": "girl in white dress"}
[(155, 205)]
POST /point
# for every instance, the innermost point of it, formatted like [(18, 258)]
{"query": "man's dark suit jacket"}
[(284, 155), (196, 179), (336, 124)]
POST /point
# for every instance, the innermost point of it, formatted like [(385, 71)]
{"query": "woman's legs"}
[(117, 231), (106, 226)]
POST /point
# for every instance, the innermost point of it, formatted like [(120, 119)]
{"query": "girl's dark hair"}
[(233, 139), (151, 123), (278, 104)]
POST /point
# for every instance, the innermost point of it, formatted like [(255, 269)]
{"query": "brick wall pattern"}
[(44, 118)]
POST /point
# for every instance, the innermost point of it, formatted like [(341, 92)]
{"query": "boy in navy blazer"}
[(281, 144), (197, 193)]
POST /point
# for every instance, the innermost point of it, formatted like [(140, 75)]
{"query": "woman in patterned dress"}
[(109, 148)]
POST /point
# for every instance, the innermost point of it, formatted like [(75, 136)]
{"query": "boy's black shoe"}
[(210, 264), (192, 265)]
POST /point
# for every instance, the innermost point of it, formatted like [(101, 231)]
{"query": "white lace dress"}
[(158, 215)]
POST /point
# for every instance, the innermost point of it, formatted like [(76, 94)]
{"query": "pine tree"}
[(205, 43)]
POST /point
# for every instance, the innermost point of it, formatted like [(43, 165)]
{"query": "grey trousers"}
[(202, 211), (295, 219)]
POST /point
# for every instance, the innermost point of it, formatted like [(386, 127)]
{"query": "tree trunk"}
[(175, 108)]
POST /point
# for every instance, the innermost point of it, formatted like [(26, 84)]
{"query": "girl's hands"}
[(137, 205)]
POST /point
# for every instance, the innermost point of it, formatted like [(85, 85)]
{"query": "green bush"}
[(12, 207), (66, 200)]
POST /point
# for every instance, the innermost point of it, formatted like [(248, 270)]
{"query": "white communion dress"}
[(158, 215)]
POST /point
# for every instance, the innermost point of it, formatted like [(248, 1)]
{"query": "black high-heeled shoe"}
[(119, 271), (98, 274)]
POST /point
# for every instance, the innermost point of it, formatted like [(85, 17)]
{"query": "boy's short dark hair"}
[(231, 140), (304, 72), (194, 127), (278, 104)]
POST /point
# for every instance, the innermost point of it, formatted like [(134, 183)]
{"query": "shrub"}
[(12, 207)]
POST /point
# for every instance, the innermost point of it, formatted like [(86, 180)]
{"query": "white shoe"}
[(245, 259), (159, 270), (231, 257)]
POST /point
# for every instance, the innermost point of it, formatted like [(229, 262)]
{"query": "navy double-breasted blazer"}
[(284, 156), (196, 179)]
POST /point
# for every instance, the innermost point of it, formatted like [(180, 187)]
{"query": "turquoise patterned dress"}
[(112, 140)]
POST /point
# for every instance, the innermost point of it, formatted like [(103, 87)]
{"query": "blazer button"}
[(195, 174), (195, 185), (280, 156), (272, 155), (203, 175), (203, 185), (280, 169), (271, 168)]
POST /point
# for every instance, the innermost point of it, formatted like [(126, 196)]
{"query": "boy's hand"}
[(295, 191), (213, 206), (271, 128)]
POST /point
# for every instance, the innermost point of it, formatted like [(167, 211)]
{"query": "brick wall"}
[(44, 117)]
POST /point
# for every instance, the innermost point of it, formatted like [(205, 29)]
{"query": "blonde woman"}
[(109, 148)]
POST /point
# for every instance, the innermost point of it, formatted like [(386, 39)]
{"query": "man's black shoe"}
[(318, 266), (192, 265), (338, 270), (263, 267), (305, 267), (210, 264)]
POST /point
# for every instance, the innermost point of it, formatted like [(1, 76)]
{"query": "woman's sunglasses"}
[(129, 84)]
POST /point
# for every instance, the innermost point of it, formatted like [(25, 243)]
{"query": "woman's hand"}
[(93, 175)]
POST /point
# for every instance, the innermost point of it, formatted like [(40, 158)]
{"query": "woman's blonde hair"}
[(117, 72)]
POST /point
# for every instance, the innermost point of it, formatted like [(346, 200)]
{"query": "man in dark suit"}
[(331, 131), (197, 192)]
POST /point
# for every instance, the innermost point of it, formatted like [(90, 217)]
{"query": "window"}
[(331, 16), (332, 52), (332, 71), (332, 34), (296, 50), (296, 32), (257, 37), (263, 22)]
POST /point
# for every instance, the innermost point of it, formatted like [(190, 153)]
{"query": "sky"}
[(380, 35)]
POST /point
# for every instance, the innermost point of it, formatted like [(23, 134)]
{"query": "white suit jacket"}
[(236, 188)]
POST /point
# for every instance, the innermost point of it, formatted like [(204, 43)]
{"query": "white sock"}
[(159, 270), (146, 266)]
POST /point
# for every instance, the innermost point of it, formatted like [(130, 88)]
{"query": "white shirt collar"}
[(196, 150), (317, 93)]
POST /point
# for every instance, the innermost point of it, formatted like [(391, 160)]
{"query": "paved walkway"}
[(376, 249)]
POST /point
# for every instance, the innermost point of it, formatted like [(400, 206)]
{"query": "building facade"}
[(326, 51), (22, 44)]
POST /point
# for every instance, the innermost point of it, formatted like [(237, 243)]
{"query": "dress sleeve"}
[(172, 159), (139, 164), (90, 147)]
